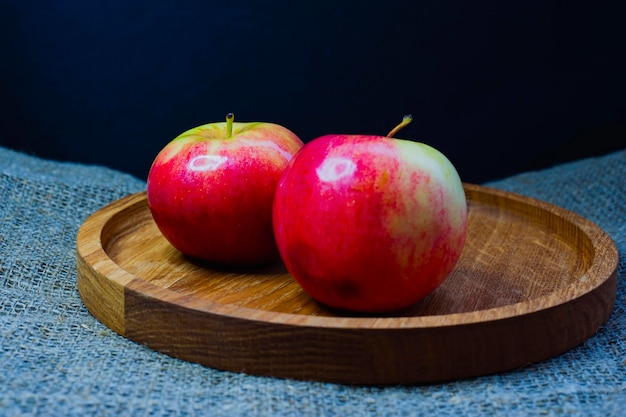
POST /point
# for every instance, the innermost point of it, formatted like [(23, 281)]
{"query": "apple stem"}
[(229, 125), (405, 121)]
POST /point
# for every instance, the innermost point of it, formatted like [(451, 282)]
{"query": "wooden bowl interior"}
[(506, 260)]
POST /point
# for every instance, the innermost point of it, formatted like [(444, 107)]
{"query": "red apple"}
[(210, 190), (369, 223)]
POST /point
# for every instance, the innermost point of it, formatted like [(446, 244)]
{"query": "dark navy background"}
[(499, 87)]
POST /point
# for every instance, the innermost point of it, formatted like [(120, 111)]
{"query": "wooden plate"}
[(534, 280)]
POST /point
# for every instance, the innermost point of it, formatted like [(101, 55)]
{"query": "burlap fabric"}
[(57, 360)]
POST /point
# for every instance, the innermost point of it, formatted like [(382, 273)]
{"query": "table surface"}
[(58, 360)]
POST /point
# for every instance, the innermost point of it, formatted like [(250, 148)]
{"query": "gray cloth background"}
[(57, 360)]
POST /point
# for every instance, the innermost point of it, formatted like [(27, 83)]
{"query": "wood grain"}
[(534, 280)]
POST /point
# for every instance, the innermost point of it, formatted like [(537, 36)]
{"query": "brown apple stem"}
[(405, 121), (229, 125)]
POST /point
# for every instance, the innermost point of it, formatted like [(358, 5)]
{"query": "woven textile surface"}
[(57, 360)]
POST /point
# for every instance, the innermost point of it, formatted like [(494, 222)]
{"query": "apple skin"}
[(211, 196), (369, 223)]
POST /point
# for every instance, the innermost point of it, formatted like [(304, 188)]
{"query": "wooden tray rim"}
[(598, 273)]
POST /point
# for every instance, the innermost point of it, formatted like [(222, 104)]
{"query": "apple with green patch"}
[(369, 223), (211, 189)]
